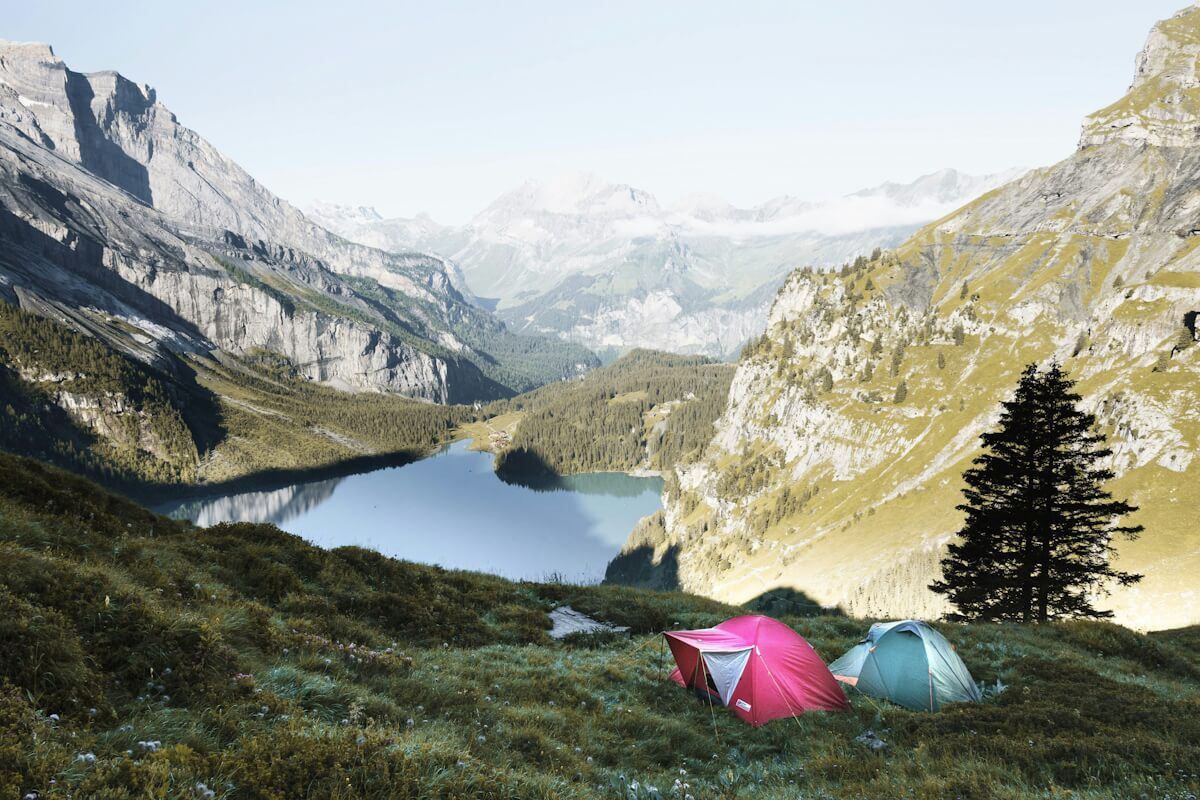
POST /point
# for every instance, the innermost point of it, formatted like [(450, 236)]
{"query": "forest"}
[(647, 410)]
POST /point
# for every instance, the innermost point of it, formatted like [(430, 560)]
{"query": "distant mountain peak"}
[(945, 186), (571, 194), (344, 215)]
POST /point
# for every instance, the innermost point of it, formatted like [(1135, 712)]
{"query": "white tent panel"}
[(726, 669)]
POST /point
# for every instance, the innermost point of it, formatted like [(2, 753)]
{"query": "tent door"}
[(725, 670)]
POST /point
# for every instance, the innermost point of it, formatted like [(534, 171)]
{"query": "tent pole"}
[(708, 694)]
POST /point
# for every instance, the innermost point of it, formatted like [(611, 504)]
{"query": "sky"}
[(441, 107)]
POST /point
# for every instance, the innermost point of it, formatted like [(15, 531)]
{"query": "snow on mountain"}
[(608, 266)]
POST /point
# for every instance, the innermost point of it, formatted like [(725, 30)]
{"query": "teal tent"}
[(909, 663)]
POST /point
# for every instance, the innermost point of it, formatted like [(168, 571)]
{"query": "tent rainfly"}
[(909, 663), (759, 667)]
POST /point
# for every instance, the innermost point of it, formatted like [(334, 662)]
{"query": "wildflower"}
[(590, 759), (361, 740), (481, 738), (462, 765), (54, 718), (409, 722), (86, 758), (92, 712)]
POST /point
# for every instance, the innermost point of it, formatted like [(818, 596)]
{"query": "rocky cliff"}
[(837, 465), (127, 225)]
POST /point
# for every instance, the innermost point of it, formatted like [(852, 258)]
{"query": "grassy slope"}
[(245, 660)]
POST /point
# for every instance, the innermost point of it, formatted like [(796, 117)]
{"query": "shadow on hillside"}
[(638, 568), (786, 601)]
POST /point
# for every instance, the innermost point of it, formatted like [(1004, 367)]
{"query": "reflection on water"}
[(452, 510), (612, 484), (277, 506)]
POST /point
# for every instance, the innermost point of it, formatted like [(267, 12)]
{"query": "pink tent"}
[(759, 667)]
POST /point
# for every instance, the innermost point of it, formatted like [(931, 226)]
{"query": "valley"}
[(293, 503)]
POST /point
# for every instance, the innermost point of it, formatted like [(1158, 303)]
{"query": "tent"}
[(759, 667), (909, 663)]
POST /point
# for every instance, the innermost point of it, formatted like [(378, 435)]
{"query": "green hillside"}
[(148, 658)]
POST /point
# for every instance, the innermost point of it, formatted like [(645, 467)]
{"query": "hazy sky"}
[(441, 106)]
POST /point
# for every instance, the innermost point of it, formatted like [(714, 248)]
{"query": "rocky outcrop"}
[(1161, 107), (824, 477)]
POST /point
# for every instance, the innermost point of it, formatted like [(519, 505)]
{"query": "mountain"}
[(823, 477), (181, 283), (607, 266), (132, 227)]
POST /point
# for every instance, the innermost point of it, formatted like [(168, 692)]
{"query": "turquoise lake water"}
[(451, 509)]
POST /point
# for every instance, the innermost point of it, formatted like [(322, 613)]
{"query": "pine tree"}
[(1037, 540)]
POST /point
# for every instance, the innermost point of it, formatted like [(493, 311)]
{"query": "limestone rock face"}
[(823, 478), (112, 210)]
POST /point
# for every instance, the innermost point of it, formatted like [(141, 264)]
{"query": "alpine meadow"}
[(786, 432)]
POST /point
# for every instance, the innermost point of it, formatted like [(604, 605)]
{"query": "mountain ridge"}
[(123, 226), (610, 267), (392, 309)]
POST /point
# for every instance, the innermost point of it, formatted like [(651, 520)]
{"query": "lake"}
[(451, 509)]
